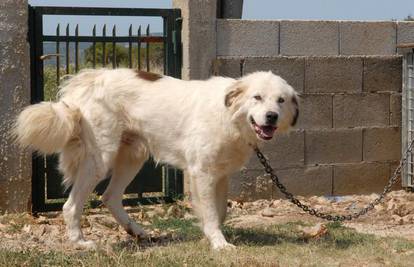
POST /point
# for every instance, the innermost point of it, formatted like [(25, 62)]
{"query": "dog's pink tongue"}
[(268, 130)]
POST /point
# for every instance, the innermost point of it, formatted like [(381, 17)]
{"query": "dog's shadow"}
[(338, 237), (259, 237), (247, 237)]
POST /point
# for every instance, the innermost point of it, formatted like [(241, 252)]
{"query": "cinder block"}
[(307, 181), (333, 146), (383, 74), (333, 74), (367, 38), (292, 69), (405, 32), (228, 67), (395, 110), (360, 178), (250, 185), (315, 112), (381, 144), (361, 110), (284, 151), (318, 38), (247, 37)]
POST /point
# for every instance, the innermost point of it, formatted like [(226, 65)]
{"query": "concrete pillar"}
[(15, 165), (198, 37), (199, 42)]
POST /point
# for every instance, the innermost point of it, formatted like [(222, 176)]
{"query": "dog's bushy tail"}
[(47, 126)]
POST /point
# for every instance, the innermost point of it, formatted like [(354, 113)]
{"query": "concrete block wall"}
[(348, 138), (310, 38)]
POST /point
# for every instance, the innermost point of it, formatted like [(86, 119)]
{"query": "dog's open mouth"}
[(265, 132)]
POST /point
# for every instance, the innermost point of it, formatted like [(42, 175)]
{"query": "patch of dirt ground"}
[(394, 217)]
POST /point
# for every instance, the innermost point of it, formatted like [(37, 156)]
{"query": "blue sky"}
[(328, 9), (253, 9)]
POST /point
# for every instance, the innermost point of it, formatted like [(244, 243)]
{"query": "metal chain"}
[(275, 179)]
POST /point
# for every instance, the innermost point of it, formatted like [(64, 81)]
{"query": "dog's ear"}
[(234, 93), (296, 114)]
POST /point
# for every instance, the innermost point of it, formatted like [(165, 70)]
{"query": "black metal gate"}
[(159, 52)]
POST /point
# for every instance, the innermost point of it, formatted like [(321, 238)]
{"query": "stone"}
[(367, 38), (405, 32), (307, 181), (333, 74), (383, 74), (228, 67), (247, 37), (309, 38), (315, 111), (360, 178), (382, 144), (333, 146), (362, 110)]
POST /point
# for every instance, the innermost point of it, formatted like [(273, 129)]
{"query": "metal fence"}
[(408, 113)]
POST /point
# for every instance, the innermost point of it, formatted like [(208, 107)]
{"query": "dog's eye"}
[(281, 100), (258, 97)]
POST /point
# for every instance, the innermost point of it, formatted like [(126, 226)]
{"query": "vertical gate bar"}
[(67, 50), (58, 56), (177, 44), (164, 43), (130, 47), (178, 175), (114, 65), (139, 47), (170, 52), (94, 47), (36, 47), (147, 49), (404, 120), (77, 48), (104, 46)]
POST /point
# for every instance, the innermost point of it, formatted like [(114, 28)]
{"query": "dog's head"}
[(263, 103)]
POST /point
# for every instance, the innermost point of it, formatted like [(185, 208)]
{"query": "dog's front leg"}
[(207, 207)]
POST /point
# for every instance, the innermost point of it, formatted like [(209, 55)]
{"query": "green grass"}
[(276, 245)]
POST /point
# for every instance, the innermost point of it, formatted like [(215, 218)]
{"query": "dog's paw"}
[(135, 231), (223, 246)]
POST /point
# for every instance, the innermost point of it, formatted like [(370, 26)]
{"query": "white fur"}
[(111, 120)]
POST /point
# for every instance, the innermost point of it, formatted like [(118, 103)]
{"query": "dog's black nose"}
[(271, 117)]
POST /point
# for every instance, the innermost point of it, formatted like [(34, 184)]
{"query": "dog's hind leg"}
[(127, 164), (86, 178)]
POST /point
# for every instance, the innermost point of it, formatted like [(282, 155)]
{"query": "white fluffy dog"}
[(112, 120)]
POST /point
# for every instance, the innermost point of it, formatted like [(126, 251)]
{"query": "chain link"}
[(275, 179)]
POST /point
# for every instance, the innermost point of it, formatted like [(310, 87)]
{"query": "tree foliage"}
[(121, 54), (409, 18)]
